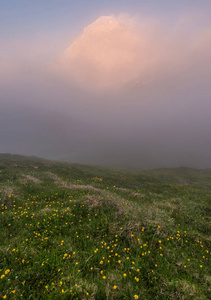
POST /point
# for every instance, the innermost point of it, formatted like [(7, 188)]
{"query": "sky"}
[(116, 83)]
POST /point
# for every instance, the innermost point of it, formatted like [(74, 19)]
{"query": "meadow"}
[(71, 231)]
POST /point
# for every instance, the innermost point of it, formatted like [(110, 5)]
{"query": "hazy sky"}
[(117, 83)]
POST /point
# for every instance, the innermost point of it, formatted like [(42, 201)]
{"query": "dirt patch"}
[(137, 195), (93, 201), (85, 188), (43, 211), (7, 191), (29, 178), (57, 180), (184, 182), (122, 189)]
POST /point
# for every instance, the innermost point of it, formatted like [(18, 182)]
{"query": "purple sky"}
[(117, 83)]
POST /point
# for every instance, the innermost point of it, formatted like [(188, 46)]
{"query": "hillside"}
[(71, 231)]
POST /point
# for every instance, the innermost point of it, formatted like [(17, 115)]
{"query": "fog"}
[(129, 92)]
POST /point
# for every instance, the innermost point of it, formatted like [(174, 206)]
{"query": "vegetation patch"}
[(85, 233)]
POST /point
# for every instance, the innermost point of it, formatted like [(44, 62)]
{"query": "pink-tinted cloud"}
[(113, 52), (106, 53)]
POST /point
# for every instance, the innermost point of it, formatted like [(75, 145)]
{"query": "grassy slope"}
[(79, 232)]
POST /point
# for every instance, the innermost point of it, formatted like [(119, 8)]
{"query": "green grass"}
[(72, 231)]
